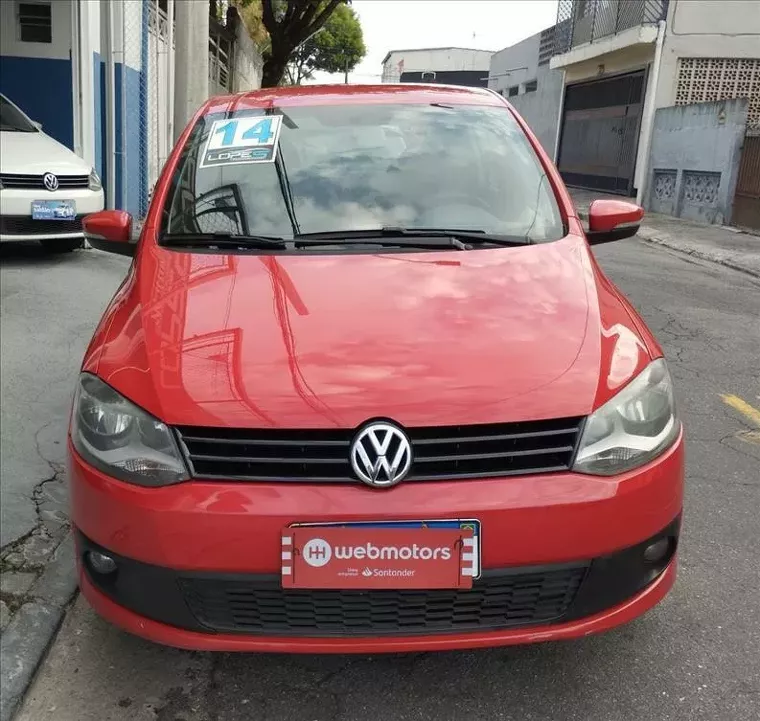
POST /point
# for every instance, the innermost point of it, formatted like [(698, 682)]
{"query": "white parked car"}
[(45, 189)]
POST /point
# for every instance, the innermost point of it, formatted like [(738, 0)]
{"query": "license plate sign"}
[(54, 210), (383, 556)]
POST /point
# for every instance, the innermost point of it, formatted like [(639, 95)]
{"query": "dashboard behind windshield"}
[(355, 167)]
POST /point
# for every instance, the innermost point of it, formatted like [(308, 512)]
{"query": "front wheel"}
[(61, 245)]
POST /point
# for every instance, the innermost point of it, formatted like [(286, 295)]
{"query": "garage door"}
[(600, 132)]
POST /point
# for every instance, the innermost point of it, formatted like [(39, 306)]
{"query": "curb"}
[(26, 638), (665, 242), (649, 236)]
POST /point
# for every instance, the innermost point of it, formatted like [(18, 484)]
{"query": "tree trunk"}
[(274, 69)]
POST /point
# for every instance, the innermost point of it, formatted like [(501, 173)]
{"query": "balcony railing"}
[(586, 21)]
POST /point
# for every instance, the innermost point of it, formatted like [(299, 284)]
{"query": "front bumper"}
[(222, 609), (15, 213), (172, 541)]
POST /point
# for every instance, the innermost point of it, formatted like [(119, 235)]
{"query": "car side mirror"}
[(111, 231), (610, 220)]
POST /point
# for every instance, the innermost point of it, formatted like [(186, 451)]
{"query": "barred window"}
[(35, 22)]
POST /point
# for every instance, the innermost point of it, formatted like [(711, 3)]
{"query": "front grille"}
[(25, 225), (500, 599), (34, 182), (444, 452)]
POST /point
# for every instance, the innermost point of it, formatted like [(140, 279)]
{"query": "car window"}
[(355, 167), (11, 118)]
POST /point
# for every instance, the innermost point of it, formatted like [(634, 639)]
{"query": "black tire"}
[(61, 245)]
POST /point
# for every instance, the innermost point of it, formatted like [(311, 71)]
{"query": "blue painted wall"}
[(131, 128), (129, 149), (134, 138), (130, 138), (42, 88)]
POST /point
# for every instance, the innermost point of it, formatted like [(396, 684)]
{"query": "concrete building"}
[(99, 76), (452, 66), (521, 73), (625, 59)]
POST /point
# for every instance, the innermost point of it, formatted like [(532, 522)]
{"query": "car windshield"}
[(12, 119), (325, 169)]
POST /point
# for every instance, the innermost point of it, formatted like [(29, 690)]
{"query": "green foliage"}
[(281, 27), (337, 47), (251, 14)]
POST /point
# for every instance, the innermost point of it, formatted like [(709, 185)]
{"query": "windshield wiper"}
[(386, 237), (270, 242), (436, 240), (410, 235), (223, 240), (287, 194)]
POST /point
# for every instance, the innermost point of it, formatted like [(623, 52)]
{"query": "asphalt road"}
[(49, 306), (696, 656)]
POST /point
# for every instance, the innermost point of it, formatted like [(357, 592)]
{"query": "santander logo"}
[(318, 552)]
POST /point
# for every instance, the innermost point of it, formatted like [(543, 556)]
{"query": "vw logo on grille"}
[(50, 181), (381, 455)]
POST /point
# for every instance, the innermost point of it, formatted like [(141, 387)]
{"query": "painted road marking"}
[(749, 436), (752, 415)]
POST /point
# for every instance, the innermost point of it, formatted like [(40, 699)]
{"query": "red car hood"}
[(310, 341)]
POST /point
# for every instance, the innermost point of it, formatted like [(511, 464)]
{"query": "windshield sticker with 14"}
[(242, 140)]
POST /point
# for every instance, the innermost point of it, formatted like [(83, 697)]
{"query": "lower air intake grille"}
[(500, 599), (26, 225)]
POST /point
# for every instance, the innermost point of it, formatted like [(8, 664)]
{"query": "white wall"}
[(734, 18), (706, 29), (522, 54), (627, 59), (541, 109), (437, 59), (191, 84), (89, 43), (248, 61), (61, 35), (127, 31)]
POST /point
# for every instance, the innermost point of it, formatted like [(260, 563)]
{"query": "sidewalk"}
[(715, 243)]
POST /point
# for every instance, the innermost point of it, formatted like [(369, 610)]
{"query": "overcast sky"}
[(404, 24)]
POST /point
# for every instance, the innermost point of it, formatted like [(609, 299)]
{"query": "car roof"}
[(386, 93)]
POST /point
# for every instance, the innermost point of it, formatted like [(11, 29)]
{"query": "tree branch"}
[(325, 14), (290, 12), (309, 11), (312, 25), (267, 15)]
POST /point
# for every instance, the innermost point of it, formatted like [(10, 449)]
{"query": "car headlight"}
[(122, 440), (633, 427), (93, 182)]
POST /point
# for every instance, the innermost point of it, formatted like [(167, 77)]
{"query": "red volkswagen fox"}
[(365, 388)]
